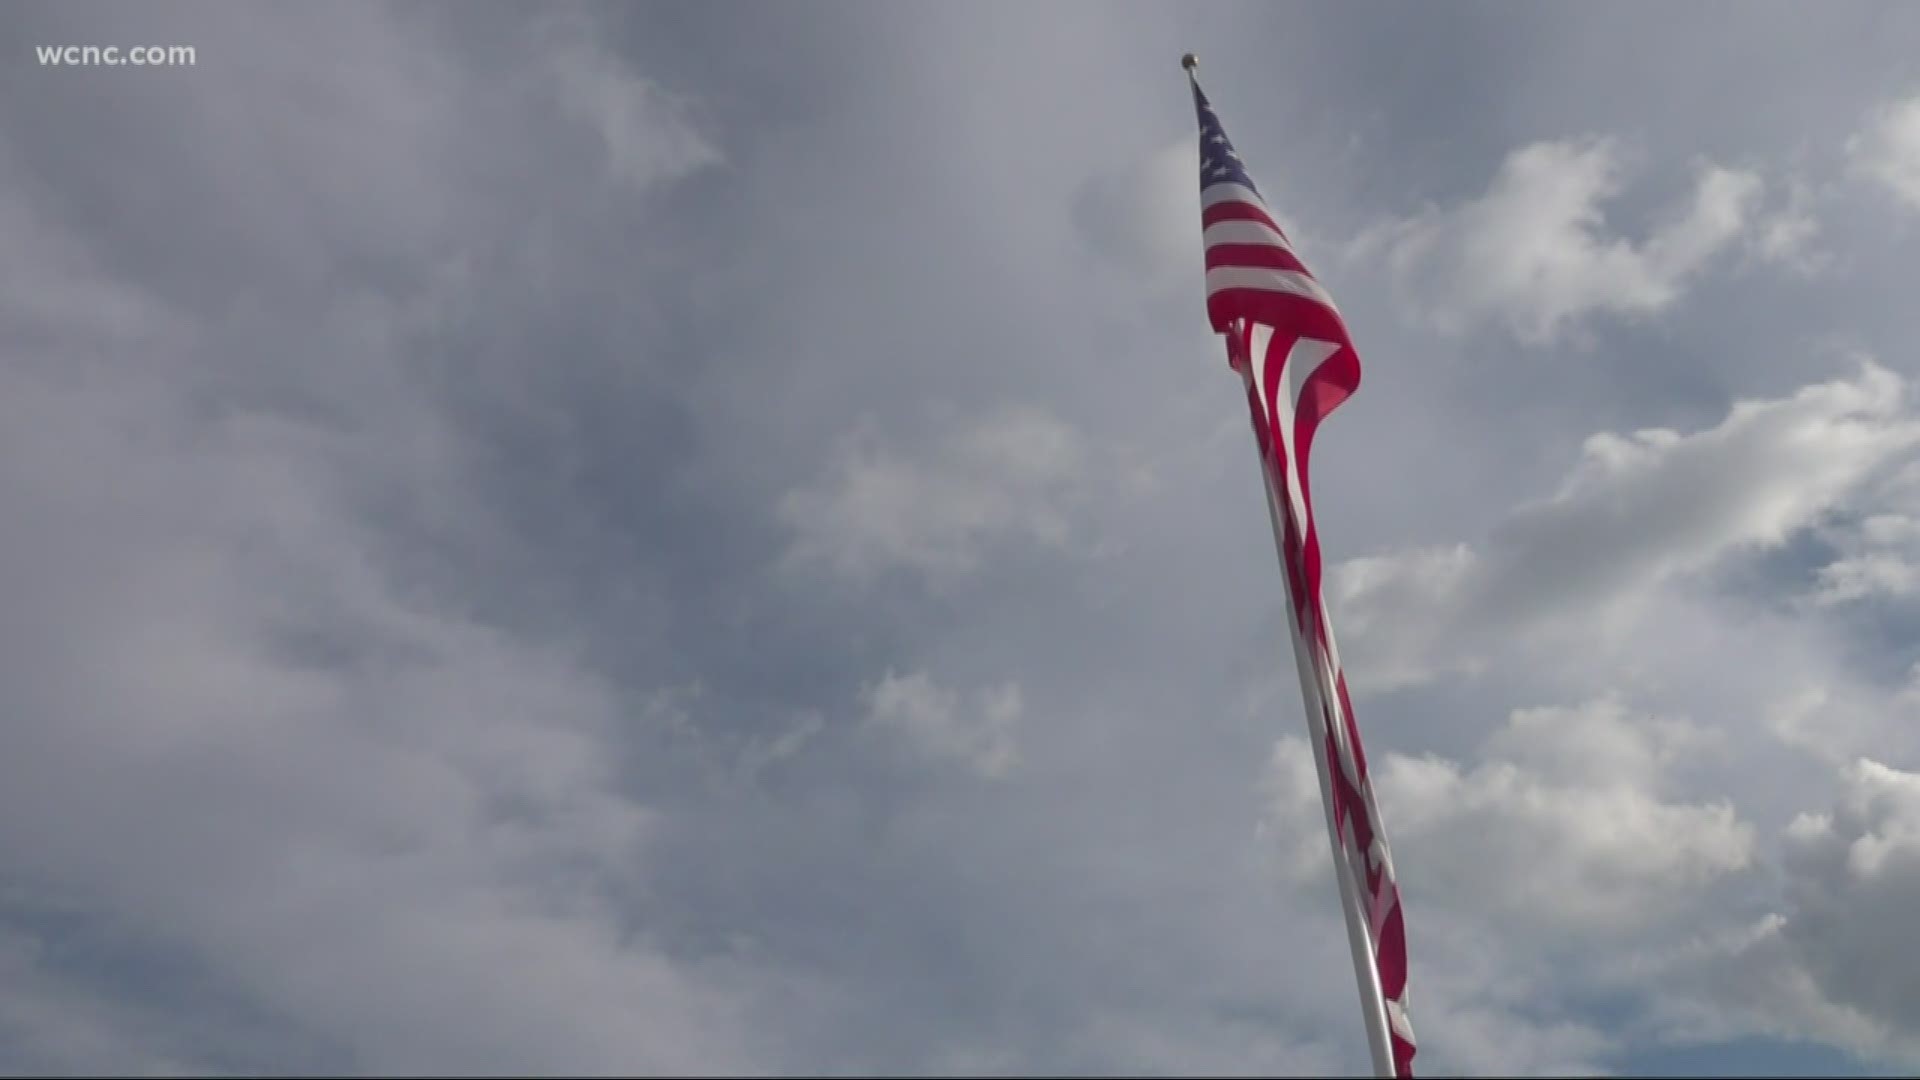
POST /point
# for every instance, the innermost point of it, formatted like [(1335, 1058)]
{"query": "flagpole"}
[(1318, 677), (1359, 939)]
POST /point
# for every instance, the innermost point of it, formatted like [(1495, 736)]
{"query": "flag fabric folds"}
[(1288, 342)]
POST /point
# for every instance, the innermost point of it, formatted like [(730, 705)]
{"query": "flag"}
[(1286, 339)]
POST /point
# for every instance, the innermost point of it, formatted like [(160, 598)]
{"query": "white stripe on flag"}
[(1260, 277), (1397, 1016), (1243, 232), (1229, 192), (1307, 356)]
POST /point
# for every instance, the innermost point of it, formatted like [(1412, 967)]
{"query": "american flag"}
[(1287, 340)]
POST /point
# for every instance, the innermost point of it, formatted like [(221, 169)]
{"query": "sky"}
[(650, 538)]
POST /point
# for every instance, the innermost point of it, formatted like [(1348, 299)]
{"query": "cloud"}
[(52, 1025), (1145, 219), (1291, 788), (262, 737), (1887, 149), (1880, 560), (1008, 474), (314, 782), (1868, 575), (1562, 823), (1591, 817), (1637, 578), (1563, 838), (1535, 252), (1788, 233), (933, 721), (646, 135), (1637, 511), (1834, 963)]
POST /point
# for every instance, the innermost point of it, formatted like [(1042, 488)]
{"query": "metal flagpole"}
[(1373, 1004), (1313, 663)]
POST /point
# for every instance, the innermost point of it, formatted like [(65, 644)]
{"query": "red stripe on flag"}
[(1238, 211), (1300, 315), (1402, 1057), (1271, 256)]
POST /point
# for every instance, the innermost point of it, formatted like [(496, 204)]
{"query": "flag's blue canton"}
[(1218, 161)]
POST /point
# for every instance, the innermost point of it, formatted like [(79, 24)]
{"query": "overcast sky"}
[(716, 538)]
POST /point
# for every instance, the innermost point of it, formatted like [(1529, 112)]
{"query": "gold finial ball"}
[(1189, 61)]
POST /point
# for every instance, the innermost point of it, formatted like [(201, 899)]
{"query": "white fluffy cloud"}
[(1789, 234), (1564, 838), (1887, 149), (1145, 218), (1854, 880), (1835, 962), (935, 722), (1536, 253), (1875, 574), (1008, 474), (1576, 853), (1880, 559), (1604, 819), (1636, 512), (1562, 823)]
